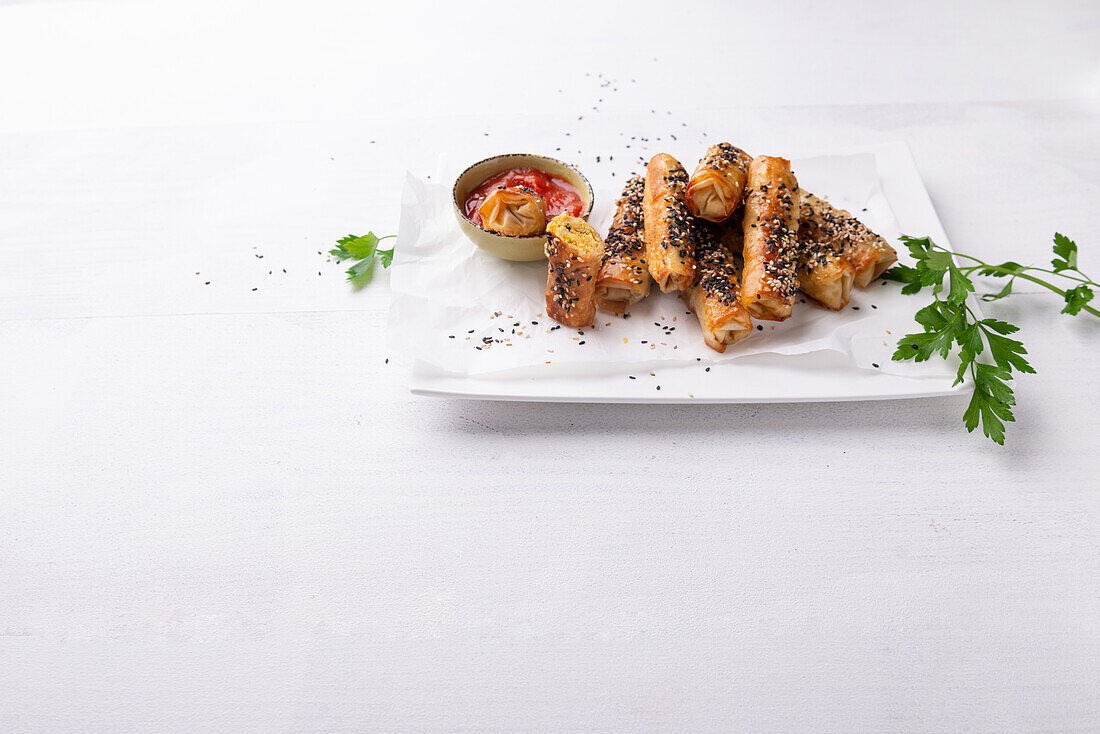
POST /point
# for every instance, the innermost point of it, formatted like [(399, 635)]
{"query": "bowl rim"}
[(460, 208)]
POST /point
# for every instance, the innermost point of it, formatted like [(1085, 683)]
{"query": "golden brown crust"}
[(715, 297), (624, 278), (770, 229), (827, 226), (668, 245), (575, 251), (827, 280), (715, 189)]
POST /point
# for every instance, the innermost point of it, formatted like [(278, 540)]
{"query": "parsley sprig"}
[(365, 250), (950, 324)]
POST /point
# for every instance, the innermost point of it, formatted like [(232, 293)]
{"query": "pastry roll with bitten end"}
[(575, 252), (715, 297), (624, 278), (770, 229), (669, 250), (515, 211), (824, 224), (714, 190)]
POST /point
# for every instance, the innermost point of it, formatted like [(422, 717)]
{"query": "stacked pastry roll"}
[(575, 252), (824, 226), (738, 240), (624, 278), (669, 249), (715, 296), (770, 230), (715, 188)]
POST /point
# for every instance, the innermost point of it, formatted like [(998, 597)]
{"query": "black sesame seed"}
[(875, 365)]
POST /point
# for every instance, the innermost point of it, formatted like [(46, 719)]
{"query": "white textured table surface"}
[(222, 511)]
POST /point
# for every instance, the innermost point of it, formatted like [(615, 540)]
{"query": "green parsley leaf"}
[(1065, 250), (991, 402), (357, 248), (1001, 270), (1003, 292), (911, 277), (1076, 299), (361, 272), (364, 249), (1008, 353), (961, 286)]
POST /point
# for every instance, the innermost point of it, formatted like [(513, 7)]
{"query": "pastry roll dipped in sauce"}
[(770, 229), (624, 278), (715, 297), (575, 252), (516, 211), (824, 224), (669, 249), (714, 191)]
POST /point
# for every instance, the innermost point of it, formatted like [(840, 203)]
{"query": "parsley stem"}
[(982, 265), (1050, 287)]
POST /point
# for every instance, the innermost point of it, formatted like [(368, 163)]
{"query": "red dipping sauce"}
[(560, 195)]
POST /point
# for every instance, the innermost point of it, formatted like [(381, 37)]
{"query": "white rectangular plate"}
[(760, 378)]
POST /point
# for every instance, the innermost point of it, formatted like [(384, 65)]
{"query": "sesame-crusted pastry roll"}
[(516, 211), (668, 245), (575, 252), (823, 273), (770, 229), (824, 224), (714, 191), (624, 278), (715, 297)]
